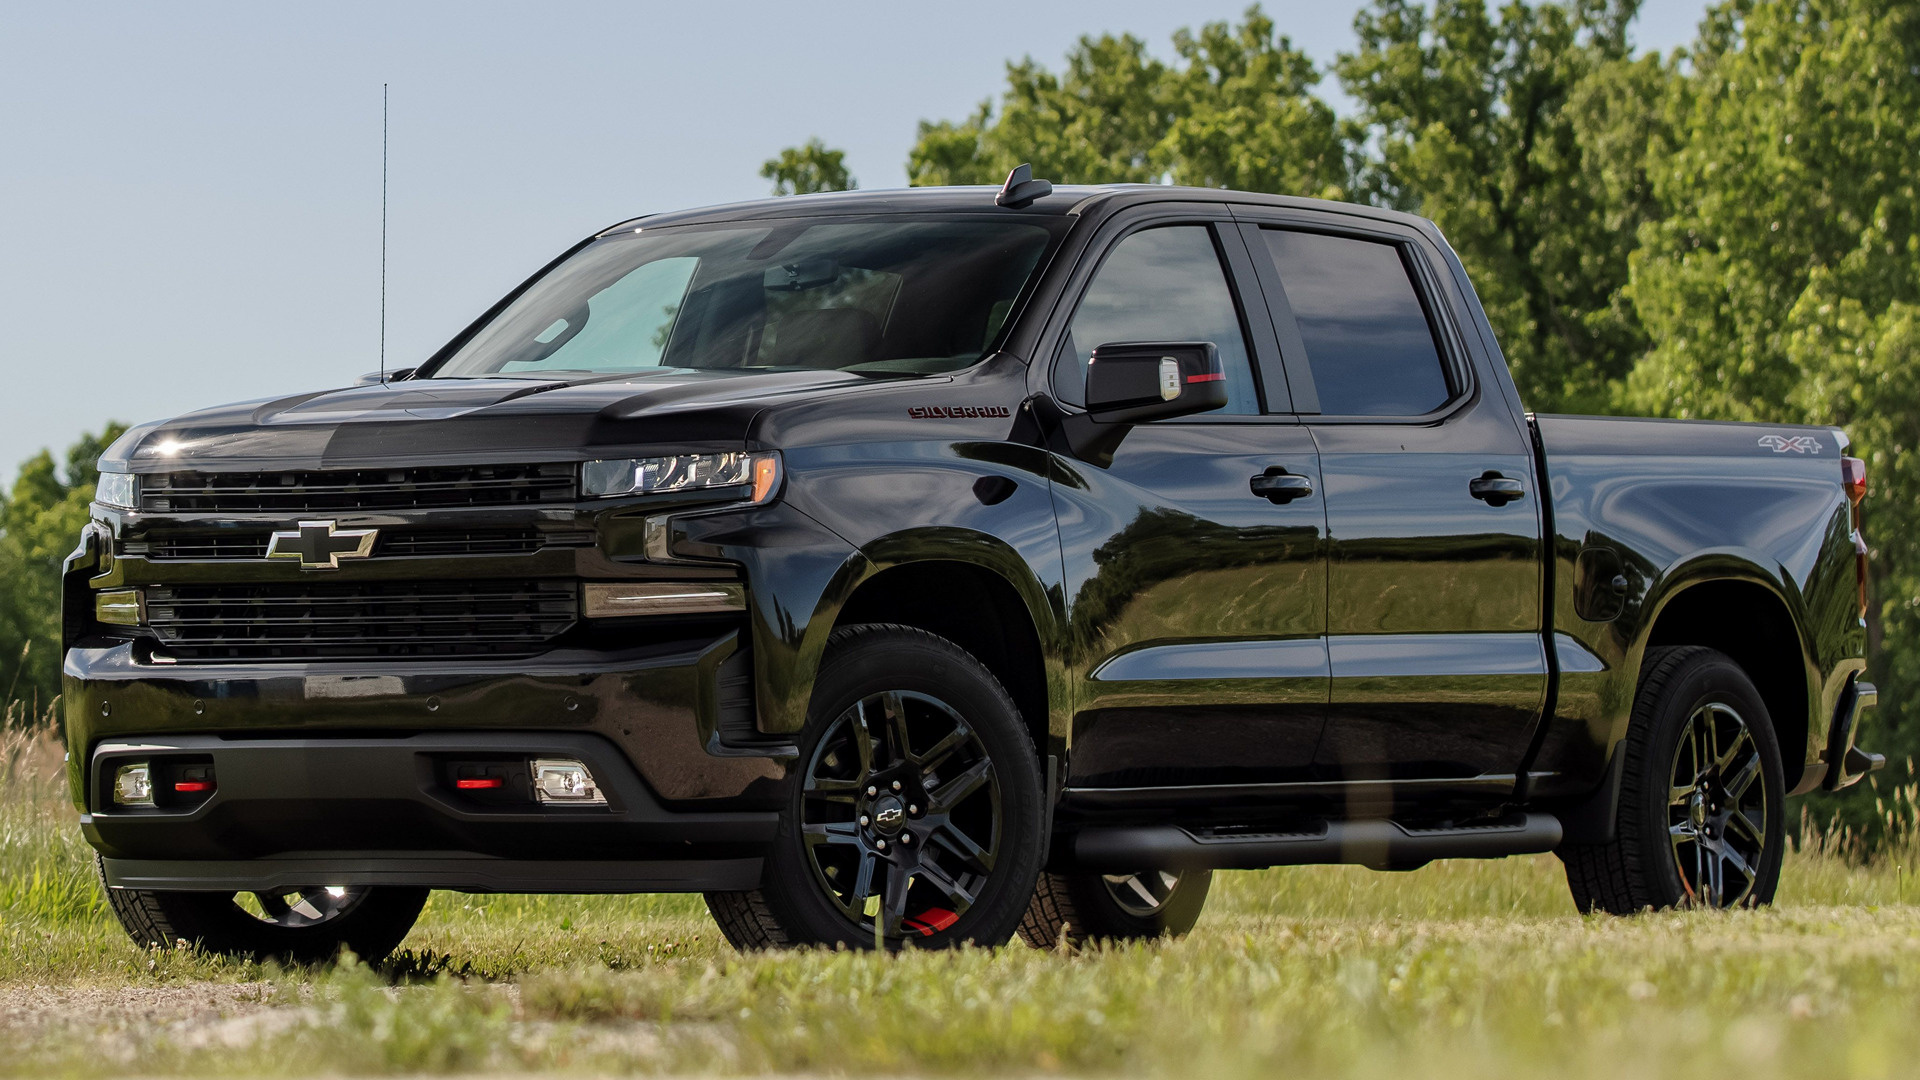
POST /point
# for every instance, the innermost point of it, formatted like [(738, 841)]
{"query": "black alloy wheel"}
[(914, 814), (300, 908), (900, 810), (303, 926), (1701, 818), (1142, 895), (1079, 907), (1717, 811)]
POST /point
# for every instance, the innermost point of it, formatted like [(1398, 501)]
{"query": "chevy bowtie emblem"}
[(320, 545)]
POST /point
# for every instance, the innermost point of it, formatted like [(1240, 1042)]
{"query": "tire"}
[(1702, 810), (1114, 907), (946, 858), (300, 926)]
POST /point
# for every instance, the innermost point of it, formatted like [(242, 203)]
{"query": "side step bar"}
[(1380, 844)]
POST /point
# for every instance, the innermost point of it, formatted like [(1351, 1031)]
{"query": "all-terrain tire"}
[(1650, 863), (1114, 907), (800, 903), (371, 924)]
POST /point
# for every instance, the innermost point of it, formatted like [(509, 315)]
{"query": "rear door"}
[(1434, 608), (1197, 606)]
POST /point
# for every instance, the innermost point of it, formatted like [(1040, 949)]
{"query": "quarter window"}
[(1161, 284), (1369, 343)]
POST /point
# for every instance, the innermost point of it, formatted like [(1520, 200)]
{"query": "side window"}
[(1369, 344), (1161, 284)]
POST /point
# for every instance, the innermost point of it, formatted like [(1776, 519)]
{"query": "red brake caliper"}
[(930, 921)]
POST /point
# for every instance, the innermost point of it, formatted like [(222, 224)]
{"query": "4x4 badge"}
[(1797, 444), (320, 545)]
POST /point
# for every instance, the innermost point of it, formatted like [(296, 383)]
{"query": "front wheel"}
[(914, 816), (1114, 907), (301, 926), (1702, 815)]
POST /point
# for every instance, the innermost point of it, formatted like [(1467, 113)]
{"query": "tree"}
[(1523, 135), (1783, 283), (1247, 117), (1100, 121), (1237, 111), (40, 521), (803, 170)]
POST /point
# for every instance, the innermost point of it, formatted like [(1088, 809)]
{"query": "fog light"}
[(120, 607), (133, 785), (560, 780)]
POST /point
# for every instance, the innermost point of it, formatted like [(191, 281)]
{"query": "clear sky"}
[(190, 192)]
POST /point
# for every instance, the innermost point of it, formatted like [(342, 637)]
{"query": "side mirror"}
[(1137, 382)]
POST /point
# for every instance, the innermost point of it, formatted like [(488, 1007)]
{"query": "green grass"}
[(1467, 969)]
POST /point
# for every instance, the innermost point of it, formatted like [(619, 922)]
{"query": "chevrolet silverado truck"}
[(926, 567)]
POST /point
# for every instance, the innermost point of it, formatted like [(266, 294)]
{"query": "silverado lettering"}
[(956, 412)]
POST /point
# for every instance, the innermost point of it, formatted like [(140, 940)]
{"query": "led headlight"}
[(683, 472), (118, 489)]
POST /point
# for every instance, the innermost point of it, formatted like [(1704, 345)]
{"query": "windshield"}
[(880, 297)]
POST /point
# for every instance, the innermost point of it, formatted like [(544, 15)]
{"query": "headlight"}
[(683, 472), (118, 489)]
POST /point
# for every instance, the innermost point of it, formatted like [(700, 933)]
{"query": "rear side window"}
[(1369, 343)]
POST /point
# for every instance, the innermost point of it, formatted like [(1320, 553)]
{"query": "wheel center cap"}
[(1699, 811), (889, 815)]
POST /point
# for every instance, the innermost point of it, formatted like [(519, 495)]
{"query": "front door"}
[(1197, 606), (1434, 584)]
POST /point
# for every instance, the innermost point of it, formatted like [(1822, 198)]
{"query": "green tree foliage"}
[(1783, 282), (1523, 134), (803, 170), (40, 521), (1236, 110)]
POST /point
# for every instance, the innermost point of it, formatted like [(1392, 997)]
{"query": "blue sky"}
[(190, 192)]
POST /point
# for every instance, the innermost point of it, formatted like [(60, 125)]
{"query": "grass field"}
[(1459, 969)]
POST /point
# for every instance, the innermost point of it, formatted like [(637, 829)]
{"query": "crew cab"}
[(930, 566)]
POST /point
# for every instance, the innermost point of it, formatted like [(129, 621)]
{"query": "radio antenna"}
[(383, 232)]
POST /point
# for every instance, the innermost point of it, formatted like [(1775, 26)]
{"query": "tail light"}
[(1853, 473), (1853, 476)]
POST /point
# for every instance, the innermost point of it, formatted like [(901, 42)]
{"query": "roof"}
[(1065, 199)]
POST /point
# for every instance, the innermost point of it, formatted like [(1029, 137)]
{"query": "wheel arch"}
[(981, 596), (1728, 602), (1737, 609)]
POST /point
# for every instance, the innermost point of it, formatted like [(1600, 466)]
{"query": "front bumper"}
[(371, 811), (329, 773)]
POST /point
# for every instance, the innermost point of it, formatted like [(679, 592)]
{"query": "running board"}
[(1380, 844)]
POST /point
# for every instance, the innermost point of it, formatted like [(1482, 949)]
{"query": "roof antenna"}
[(383, 233), (1021, 188)]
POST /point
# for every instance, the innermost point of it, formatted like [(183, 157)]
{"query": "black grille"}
[(242, 546), (301, 620), (364, 490)]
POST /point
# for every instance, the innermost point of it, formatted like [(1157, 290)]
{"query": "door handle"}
[(1495, 490), (1277, 486)]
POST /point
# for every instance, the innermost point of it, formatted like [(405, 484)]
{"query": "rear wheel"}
[(1702, 817), (1114, 907), (914, 816), (302, 926)]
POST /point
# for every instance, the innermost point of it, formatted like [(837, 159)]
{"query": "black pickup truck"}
[(924, 567)]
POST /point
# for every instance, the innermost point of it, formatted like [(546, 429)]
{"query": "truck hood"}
[(474, 420)]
